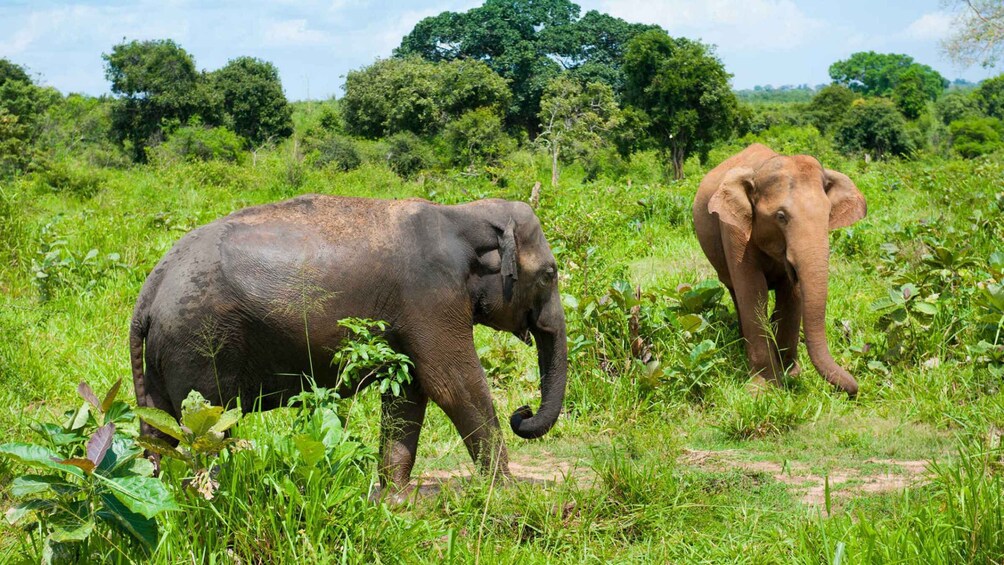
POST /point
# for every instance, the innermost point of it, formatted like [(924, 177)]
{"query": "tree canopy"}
[(874, 126), (528, 42), (418, 96), (878, 74), (977, 33), (990, 97), (254, 104), (684, 91)]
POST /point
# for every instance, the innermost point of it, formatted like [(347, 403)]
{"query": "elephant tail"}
[(137, 336)]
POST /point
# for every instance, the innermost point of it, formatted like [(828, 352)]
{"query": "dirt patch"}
[(537, 469), (874, 477)]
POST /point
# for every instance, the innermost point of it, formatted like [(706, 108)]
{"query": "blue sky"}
[(314, 43)]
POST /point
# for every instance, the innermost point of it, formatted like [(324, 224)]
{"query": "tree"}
[(877, 74), (157, 82), (990, 97), (575, 115), (909, 94), (414, 95), (477, 137), (973, 137), (12, 71), (527, 42), (684, 90), (829, 106), (956, 105), (253, 102), (874, 125), (977, 33)]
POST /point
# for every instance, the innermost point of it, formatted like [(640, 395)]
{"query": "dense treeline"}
[(590, 89)]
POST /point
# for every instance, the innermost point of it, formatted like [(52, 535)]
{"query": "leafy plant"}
[(365, 354), (904, 315), (93, 481), (200, 435)]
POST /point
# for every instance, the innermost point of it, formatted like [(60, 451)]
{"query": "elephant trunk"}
[(813, 278), (552, 359)]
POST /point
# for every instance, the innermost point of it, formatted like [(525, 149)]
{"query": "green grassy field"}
[(670, 461)]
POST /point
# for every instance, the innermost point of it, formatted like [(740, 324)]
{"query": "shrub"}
[(336, 151), (972, 137), (477, 137), (197, 143), (874, 126), (407, 154)]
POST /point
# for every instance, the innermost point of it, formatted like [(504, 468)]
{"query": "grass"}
[(634, 490)]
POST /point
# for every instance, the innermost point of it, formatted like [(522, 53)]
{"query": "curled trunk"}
[(552, 360)]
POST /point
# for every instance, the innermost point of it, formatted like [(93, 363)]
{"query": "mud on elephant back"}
[(763, 220), (215, 315)]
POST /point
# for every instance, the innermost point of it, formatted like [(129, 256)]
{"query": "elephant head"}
[(514, 288), (785, 208)]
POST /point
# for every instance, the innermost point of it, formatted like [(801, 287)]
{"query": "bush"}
[(197, 143), (973, 137), (874, 126), (336, 151), (407, 154), (477, 137)]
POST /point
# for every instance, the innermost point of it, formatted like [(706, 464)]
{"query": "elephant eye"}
[(781, 216)]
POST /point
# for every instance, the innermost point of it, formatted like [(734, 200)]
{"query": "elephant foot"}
[(757, 386), (794, 370), (392, 495)]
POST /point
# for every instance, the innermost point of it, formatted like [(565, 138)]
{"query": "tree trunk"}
[(554, 164)]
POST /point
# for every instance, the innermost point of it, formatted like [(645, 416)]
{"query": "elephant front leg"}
[(401, 423), (750, 295), (788, 323)]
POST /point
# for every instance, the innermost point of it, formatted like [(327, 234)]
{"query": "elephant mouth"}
[(524, 333), (792, 272)]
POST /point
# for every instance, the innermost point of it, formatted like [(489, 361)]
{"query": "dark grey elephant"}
[(223, 311)]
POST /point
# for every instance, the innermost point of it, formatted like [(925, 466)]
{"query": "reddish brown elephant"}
[(763, 220)]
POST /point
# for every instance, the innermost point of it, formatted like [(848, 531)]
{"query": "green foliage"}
[(576, 119), (879, 74), (196, 142), (911, 94), (476, 138), (412, 95), (974, 137), (523, 41), (200, 437), (12, 71), (254, 105), (22, 106), (365, 355), (95, 484), (956, 105), (157, 82), (336, 151), (990, 97), (874, 126), (408, 155), (761, 414), (684, 90)]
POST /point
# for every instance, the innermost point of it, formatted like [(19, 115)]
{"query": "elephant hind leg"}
[(400, 426)]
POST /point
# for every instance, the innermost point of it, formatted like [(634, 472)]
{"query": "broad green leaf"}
[(209, 442), (85, 392), (34, 484), (692, 322), (160, 420), (142, 529), (201, 419), (110, 396), (141, 466), (193, 403), (17, 512), (37, 456), (160, 447), (80, 417), (100, 442), (926, 308), (118, 412), (55, 434), (310, 450), (71, 529), (227, 420), (147, 496)]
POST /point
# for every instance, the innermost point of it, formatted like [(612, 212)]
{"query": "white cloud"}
[(730, 24), (932, 26), (293, 32)]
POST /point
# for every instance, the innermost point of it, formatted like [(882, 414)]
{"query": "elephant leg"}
[(401, 423), (735, 302), (788, 323), (456, 382), (751, 303)]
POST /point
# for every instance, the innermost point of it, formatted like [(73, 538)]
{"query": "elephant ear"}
[(507, 248), (732, 201), (847, 204)]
